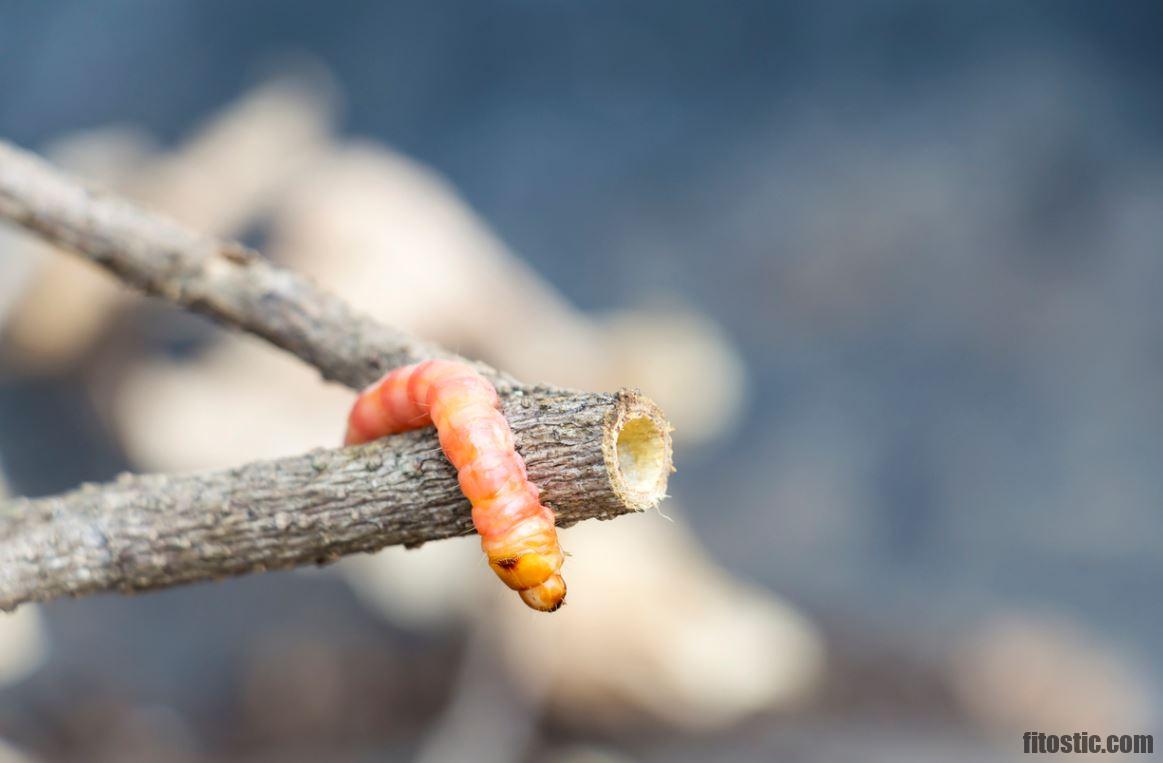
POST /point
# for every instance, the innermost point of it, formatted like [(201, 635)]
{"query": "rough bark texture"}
[(145, 532)]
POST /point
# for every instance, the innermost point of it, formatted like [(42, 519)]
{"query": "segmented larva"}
[(517, 532)]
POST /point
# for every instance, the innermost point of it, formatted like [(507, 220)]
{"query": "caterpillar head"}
[(547, 597)]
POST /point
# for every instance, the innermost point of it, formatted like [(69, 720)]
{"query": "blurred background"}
[(893, 268)]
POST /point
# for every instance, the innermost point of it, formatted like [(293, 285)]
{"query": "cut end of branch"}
[(637, 450)]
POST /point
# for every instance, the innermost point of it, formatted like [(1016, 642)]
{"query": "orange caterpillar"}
[(517, 532)]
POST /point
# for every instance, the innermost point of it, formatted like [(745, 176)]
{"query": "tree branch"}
[(593, 455)]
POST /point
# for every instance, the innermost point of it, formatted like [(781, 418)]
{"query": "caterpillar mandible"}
[(517, 532)]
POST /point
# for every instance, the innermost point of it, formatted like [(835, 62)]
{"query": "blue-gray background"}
[(934, 230)]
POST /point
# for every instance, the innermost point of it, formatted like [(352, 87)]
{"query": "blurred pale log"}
[(394, 238), (239, 401), (397, 240), (681, 641), (237, 164), (1019, 672), (419, 587), (225, 176)]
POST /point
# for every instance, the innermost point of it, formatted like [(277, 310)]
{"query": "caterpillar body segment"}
[(517, 533)]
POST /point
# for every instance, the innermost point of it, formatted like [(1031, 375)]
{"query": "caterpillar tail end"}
[(547, 597)]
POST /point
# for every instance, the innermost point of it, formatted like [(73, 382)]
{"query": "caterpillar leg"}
[(517, 532)]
